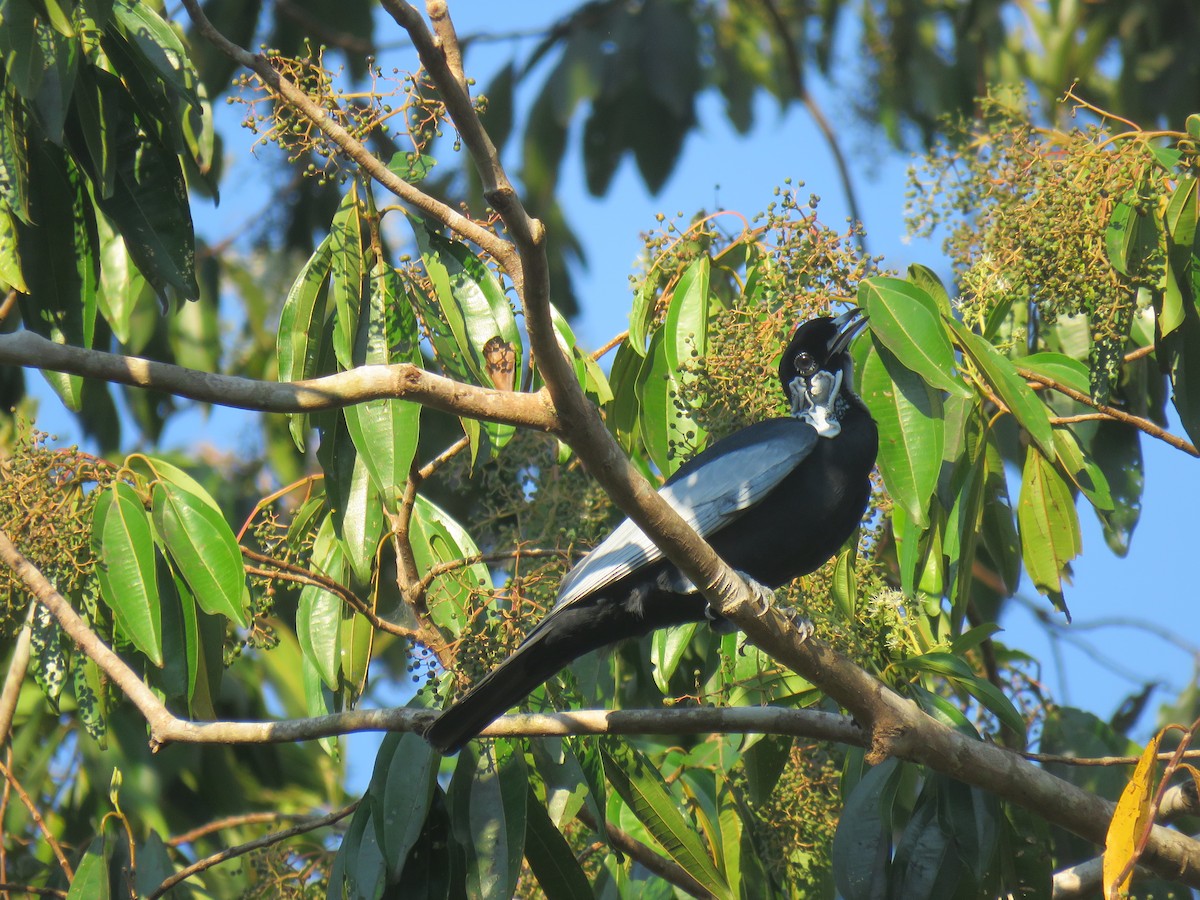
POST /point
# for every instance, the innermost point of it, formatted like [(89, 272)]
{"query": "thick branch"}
[(401, 381)]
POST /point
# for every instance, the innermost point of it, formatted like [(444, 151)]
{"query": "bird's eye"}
[(805, 364)]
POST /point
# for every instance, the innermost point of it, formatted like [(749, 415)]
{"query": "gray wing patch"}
[(708, 498)]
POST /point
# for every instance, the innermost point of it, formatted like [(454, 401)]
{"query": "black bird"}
[(775, 500)]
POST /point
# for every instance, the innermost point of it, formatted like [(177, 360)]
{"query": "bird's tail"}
[(504, 687)]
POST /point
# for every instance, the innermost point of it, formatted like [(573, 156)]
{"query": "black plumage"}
[(775, 500)]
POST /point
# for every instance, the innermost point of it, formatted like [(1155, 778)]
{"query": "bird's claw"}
[(763, 594), (802, 623)]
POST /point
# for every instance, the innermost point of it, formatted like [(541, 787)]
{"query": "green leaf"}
[(667, 647), (550, 857), (159, 47), (1059, 367), (862, 843), (927, 280), (911, 436), (487, 814), (301, 328), (59, 260), (411, 165), (468, 314), (1183, 211), (471, 302), (359, 523), (126, 567), (437, 538), (643, 789), (1082, 469), (318, 628), (623, 412), (906, 320), (1130, 239), (403, 797), (670, 433), (1117, 449), (1000, 373), (1048, 524), (121, 284), (686, 324), (149, 206), (385, 431), (1183, 353), (346, 275), (91, 875), (23, 41), (201, 545)]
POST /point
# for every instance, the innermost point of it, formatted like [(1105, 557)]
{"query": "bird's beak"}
[(849, 324)]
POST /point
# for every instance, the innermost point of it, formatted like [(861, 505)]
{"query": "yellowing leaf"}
[(1129, 822)]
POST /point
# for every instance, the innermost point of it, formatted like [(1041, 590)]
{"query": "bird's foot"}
[(802, 623), (763, 594)]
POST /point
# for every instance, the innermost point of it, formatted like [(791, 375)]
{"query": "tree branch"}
[(1112, 412), (350, 145), (402, 381), (655, 862), (257, 844)]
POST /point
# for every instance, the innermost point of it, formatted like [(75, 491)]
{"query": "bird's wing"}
[(709, 492)]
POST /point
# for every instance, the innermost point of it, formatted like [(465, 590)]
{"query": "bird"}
[(775, 499)]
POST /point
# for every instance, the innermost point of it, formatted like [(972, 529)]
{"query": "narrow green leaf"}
[(160, 47), (302, 315), (1130, 239), (1183, 211), (319, 612), (667, 647), (643, 789), (407, 789), (686, 323), (906, 320), (1000, 373), (862, 843), (385, 431), (346, 275), (1048, 524), (911, 435), (550, 857), (844, 584), (671, 435), (487, 804), (22, 46), (201, 545), (127, 568), (359, 522), (149, 206), (622, 413)]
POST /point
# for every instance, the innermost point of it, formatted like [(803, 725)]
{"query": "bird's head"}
[(816, 367)]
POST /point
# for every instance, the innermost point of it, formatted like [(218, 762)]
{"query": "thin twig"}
[(614, 342), (351, 146), (241, 849), (39, 822), (255, 818), (666, 869)]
